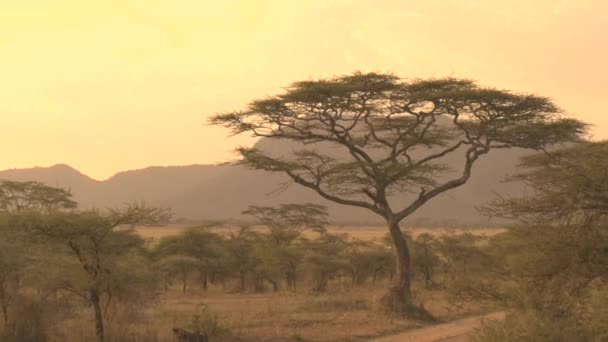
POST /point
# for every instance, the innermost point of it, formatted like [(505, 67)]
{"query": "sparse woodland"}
[(74, 275)]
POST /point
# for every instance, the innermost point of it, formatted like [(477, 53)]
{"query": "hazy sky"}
[(109, 85)]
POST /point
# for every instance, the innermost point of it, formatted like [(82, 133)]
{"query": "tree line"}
[(54, 256)]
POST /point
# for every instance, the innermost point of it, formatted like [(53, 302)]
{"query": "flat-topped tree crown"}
[(395, 133), (395, 136)]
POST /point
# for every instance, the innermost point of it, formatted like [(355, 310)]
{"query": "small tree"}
[(287, 221), (11, 264), (425, 258), (17, 198), (179, 266), (94, 244), (241, 258), (394, 136), (204, 247), (325, 259), (281, 253)]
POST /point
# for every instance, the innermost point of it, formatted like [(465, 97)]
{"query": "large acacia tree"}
[(395, 135)]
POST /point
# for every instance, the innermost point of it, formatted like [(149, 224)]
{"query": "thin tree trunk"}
[(184, 282), (205, 281), (95, 302), (243, 275), (5, 313), (4, 302), (427, 267)]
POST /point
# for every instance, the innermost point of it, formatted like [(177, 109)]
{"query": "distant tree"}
[(425, 258), (207, 249), (179, 266), (367, 259), (277, 262), (395, 135), (280, 252), (326, 259), (286, 222), (33, 196), (459, 251), (241, 259)]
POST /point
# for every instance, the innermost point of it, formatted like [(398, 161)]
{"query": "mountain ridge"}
[(222, 192)]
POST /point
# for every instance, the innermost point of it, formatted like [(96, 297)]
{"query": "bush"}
[(204, 321)]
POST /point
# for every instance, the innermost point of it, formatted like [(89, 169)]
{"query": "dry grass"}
[(340, 315), (343, 314)]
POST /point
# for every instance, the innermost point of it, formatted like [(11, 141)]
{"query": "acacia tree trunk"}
[(275, 285), (5, 313), (427, 265), (95, 303), (291, 280), (376, 272), (205, 281), (399, 296)]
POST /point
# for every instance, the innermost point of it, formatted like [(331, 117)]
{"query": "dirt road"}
[(456, 331)]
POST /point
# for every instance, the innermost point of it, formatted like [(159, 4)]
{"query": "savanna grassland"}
[(126, 274), (343, 312), (280, 280)]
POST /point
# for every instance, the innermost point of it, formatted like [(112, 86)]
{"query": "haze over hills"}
[(221, 192)]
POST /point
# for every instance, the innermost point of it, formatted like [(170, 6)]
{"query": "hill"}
[(220, 192)]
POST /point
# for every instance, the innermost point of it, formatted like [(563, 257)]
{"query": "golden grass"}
[(286, 316), (343, 314)]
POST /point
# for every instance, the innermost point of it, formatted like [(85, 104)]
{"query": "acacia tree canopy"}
[(395, 133), (287, 221), (21, 196)]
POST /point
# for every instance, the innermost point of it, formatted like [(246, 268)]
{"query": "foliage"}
[(195, 249), (33, 196), (287, 221), (385, 124), (392, 136), (94, 256), (553, 268)]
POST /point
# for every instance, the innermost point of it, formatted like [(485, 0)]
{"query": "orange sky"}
[(109, 85)]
